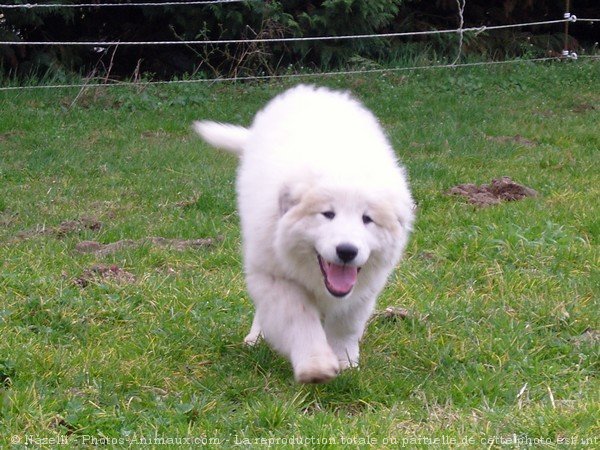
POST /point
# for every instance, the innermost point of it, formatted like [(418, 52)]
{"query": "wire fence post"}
[(461, 19), (567, 11), (567, 53)]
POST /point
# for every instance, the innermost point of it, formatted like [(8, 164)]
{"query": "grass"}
[(501, 346)]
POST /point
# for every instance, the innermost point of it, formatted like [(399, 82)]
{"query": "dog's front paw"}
[(252, 339), (317, 369), (346, 363)]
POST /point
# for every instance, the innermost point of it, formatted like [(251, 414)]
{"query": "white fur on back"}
[(310, 131)]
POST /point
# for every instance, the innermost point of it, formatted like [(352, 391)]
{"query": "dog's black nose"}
[(346, 252)]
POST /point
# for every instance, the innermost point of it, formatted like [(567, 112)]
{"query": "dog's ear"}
[(286, 200), (405, 213), (296, 195)]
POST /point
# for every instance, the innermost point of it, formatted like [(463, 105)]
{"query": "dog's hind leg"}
[(255, 333), (291, 324)]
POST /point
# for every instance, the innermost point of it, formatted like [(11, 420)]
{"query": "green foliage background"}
[(271, 19)]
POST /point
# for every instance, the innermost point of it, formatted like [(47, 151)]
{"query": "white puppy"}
[(326, 212)]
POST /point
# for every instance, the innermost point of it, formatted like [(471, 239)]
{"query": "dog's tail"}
[(221, 135)]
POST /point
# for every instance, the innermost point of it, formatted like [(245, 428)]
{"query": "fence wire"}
[(284, 76), (477, 30)]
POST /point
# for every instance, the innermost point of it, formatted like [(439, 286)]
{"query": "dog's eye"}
[(367, 219), (329, 214)]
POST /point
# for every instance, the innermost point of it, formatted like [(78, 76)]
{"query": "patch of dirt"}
[(6, 136), (66, 227), (394, 313), (157, 134), (192, 201), (582, 108), (7, 219), (103, 272), (76, 226), (59, 422), (175, 244), (502, 189), (167, 270), (89, 97), (589, 336), (518, 139), (544, 113), (428, 256)]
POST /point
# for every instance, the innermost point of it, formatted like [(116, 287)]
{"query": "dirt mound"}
[(102, 272), (503, 189), (394, 312), (65, 228), (176, 244), (398, 314)]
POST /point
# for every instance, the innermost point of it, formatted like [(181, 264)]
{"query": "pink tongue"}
[(341, 278)]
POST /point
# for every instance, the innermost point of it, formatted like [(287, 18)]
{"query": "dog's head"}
[(333, 238)]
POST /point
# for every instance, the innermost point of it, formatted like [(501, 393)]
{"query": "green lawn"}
[(501, 345)]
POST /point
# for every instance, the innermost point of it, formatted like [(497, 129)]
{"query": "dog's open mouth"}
[(339, 279)]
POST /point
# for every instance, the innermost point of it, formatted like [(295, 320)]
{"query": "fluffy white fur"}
[(326, 213)]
